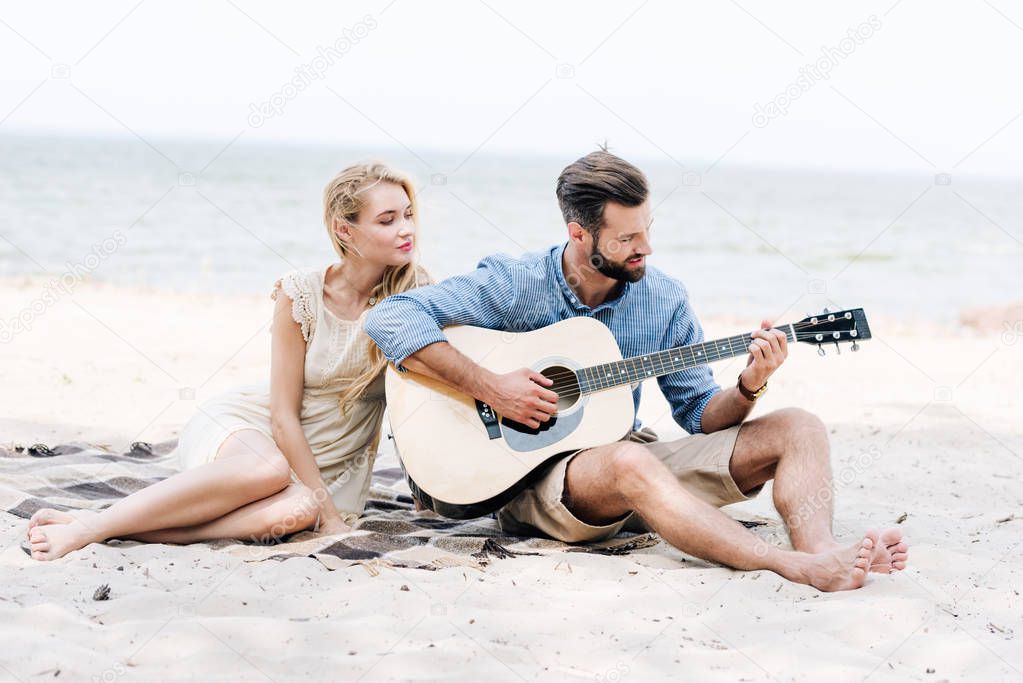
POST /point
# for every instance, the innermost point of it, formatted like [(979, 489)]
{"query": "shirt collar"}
[(558, 254)]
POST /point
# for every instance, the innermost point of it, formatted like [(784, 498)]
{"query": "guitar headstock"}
[(833, 327)]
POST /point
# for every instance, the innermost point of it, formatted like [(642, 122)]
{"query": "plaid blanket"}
[(390, 533)]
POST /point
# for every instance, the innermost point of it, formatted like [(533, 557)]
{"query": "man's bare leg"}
[(791, 447), (607, 482)]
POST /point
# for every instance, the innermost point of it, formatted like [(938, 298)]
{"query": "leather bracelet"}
[(750, 396)]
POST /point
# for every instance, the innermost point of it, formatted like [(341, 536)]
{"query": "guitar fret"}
[(664, 361), (639, 368)]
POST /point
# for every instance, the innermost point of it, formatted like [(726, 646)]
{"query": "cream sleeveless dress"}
[(336, 351)]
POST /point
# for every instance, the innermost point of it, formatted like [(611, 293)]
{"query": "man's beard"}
[(616, 270)]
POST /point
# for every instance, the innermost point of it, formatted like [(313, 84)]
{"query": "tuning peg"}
[(855, 345), (826, 310), (838, 349), (820, 350)]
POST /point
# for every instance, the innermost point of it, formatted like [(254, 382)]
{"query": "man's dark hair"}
[(588, 184)]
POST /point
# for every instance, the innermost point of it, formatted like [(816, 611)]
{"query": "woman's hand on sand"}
[(331, 525)]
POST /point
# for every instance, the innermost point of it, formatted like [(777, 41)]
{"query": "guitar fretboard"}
[(636, 369)]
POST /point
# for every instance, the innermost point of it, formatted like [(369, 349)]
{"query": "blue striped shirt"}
[(530, 292)]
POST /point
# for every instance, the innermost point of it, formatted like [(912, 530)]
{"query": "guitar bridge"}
[(489, 419)]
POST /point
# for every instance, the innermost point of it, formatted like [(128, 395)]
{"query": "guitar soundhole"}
[(566, 386)]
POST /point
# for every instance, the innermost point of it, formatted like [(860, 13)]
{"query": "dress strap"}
[(297, 286)]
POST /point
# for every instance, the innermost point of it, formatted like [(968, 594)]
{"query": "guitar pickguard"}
[(523, 439)]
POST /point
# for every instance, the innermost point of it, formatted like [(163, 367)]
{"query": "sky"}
[(899, 86)]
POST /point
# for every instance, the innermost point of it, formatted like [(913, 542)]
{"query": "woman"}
[(262, 463)]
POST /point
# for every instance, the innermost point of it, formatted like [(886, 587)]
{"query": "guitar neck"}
[(633, 370)]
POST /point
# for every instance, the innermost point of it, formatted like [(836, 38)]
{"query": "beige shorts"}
[(699, 461)]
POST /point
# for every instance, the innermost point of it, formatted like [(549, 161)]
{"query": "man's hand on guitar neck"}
[(768, 351), (727, 408), (519, 395)]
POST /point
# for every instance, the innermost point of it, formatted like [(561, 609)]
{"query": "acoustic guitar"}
[(463, 460)]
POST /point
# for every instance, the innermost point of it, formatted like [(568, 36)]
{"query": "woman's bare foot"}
[(46, 516), (839, 569), (53, 541), (68, 531)]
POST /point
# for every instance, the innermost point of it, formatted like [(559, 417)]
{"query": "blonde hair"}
[(343, 199)]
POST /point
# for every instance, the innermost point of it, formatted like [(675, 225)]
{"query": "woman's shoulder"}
[(304, 287), (299, 279)]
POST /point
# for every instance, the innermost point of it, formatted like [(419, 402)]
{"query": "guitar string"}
[(570, 389), (799, 337), (562, 384), (570, 383)]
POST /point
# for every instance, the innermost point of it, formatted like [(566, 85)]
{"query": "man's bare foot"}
[(840, 569), (891, 553), (53, 541), (46, 516)]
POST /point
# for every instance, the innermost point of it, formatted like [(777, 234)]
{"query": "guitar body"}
[(461, 460)]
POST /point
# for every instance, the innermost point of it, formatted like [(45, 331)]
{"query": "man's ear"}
[(576, 232)]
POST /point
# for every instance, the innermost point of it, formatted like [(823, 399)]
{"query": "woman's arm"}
[(287, 379)]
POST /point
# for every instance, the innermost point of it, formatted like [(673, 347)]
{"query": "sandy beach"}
[(925, 432)]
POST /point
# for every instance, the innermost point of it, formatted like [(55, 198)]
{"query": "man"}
[(674, 488)]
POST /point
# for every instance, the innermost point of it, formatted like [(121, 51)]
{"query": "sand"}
[(925, 429)]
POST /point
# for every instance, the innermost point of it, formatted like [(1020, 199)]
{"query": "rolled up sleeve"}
[(688, 391), (404, 323)]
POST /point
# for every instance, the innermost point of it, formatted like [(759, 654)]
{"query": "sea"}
[(230, 216)]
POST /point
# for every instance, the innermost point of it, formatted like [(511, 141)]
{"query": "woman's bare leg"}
[(293, 509), (248, 467)]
